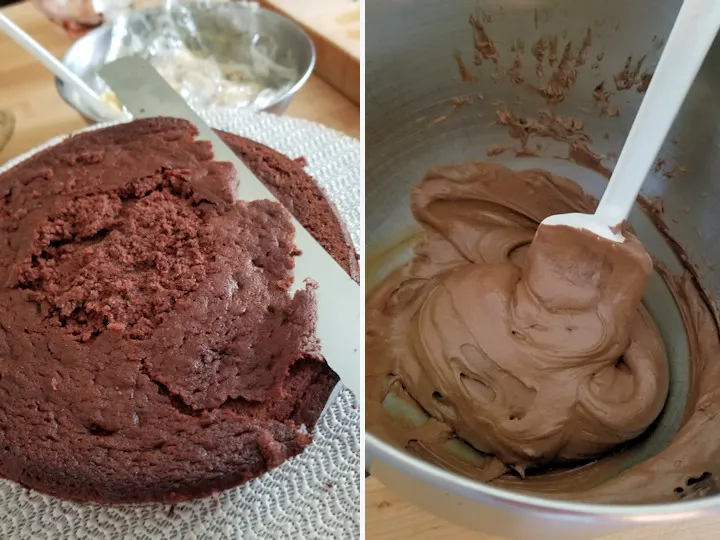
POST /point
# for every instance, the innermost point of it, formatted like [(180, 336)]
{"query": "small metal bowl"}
[(88, 54)]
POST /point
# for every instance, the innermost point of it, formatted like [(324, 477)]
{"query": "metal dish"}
[(211, 28), (422, 111)]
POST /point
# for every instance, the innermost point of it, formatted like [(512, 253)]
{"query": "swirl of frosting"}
[(531, 344)]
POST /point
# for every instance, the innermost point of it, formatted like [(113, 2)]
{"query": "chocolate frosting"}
[(532, 345)]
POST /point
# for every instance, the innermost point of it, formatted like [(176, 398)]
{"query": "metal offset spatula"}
[(146, 94)]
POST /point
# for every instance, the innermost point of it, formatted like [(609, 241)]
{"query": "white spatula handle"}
[(57, 68), (690, 39)]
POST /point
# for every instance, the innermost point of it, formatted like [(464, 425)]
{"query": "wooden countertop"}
[(390, 517), (27, 89)]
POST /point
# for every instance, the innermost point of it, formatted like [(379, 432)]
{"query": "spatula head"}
[(588, 222)]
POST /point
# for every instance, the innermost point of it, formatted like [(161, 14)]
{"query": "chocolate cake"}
[(150, 349)]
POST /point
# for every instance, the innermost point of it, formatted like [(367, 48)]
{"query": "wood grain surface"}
[(27, 90), (334, 26), (390, 517)]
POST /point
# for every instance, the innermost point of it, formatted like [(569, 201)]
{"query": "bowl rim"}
[(90, 114), (376, 448)]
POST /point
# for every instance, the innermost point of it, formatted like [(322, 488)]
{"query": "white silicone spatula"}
[(59, 69), (690, 39)]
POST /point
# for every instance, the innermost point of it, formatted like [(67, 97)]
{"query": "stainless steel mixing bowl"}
[(226, 30), (415, 120)]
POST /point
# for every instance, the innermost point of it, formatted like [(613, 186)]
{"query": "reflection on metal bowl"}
[(215, 54), (550, 84)]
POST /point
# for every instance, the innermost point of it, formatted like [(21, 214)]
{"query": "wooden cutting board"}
[(334, 26)]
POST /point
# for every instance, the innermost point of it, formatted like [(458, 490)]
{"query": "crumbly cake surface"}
[(149, 348)]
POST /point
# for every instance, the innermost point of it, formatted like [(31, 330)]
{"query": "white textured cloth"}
[(317, 494)]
